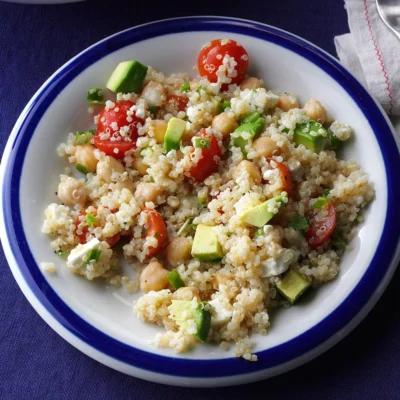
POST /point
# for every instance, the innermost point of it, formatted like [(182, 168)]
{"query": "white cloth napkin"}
[(372, 53)]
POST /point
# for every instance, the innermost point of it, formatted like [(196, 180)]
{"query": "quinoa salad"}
[(226, 198)]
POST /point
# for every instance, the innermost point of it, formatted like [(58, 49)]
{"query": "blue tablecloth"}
[(35, 363)]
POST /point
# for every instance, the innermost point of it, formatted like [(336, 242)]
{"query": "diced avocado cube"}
[(184, 311), (175, 129), (253, 128), (127, 77), (205, 244), (253, 117), (334, 143), (312, 135), (95, 96), (292, 286), (259, 215), (174, 278), (202, 318)]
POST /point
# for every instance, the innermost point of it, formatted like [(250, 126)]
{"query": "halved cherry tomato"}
[(211, 57), (208, 164), (113, 240), (156, 228), (321, 226), (110, 122), (176, 102), (285, 175)]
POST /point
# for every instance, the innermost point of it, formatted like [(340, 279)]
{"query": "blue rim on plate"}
[(215, 368)]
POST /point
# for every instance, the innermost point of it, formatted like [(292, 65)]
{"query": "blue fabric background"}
[(35, 363)]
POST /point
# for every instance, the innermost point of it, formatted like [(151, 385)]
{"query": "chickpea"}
[(106, 166), (147, 191), (286, 102), (84, 155), (251, 168), (154, 277), (251, 83), (186, 293), (126, 184), (315, 110), (178, 251), (265, 146), (71, 192), (224, 123), (140, 166), (159, 128)]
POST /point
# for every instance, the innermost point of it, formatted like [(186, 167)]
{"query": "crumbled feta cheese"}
[(279, 265)]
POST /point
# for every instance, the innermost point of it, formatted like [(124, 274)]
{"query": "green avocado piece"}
[(292, 286), (253, 128), (335, 143), (175, 129), (259, 215), (302, 135), (205, 244), (127, 77), (183, 311)]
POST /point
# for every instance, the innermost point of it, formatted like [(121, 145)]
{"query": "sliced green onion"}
[(153, 109), (259, 232), (200, 88), (93, 254), (320, 202), (202, 201), (224, 105), (81, 168), (185, 87), (84, 137), (186, 118), (229, 234), (326, 192), (174, 278), (201, 143), (90, 220), (95, 96), (151, 179), (144, 151), (298, 223), (62, 253)]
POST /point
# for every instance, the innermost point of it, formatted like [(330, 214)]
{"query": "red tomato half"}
[(109, 125), (207, 165), (286, 177), (321, 226), (211, 57), (176, 102), (156, 228), (113, 240)]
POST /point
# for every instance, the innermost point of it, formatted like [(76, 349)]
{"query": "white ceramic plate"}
[(98, 320)]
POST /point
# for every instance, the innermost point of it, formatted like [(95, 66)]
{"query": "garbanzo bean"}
[(224, 123), (186, 293), (154, 277), (147, 191), (265, 146), (251, 83), (178, 251), (71, 192), (316, 111), (251, 168), (286, 102), (140, 166), (106, 166), (84, 154), (126, 184)]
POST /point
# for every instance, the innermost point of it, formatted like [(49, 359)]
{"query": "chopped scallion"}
[(174, 278), (84, 137), (185, 87), (90, 220), (81, 168), (94, 255), (95, 96), (201, 143), (320, 202)]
